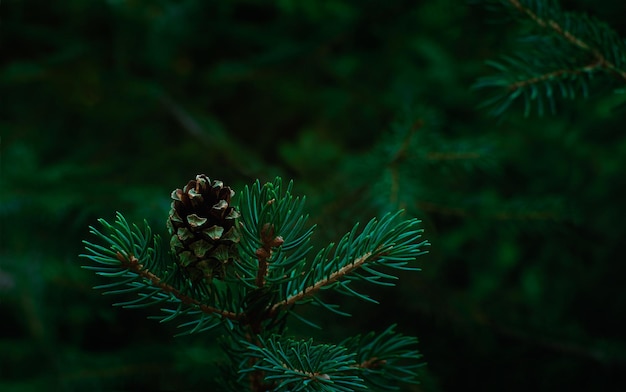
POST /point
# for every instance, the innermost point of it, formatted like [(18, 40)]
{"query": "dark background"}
[(109, 105)]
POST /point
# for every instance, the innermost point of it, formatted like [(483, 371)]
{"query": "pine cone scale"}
[(203, 229)]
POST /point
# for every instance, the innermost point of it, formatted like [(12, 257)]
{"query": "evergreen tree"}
[(369, 107), (246, 272)]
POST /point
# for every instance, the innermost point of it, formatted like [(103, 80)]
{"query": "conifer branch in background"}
[(562, 56), (244, 267), (600, 60)]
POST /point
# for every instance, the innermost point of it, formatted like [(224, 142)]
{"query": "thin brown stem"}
[(335, 276), (133, 264), (372, 363), (262, 255), (268, 242), (554, 74)]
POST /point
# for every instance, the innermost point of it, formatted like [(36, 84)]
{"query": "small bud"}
[(277, 241), (262, 253)]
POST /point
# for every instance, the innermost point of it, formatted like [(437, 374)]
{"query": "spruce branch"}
[(566, 52), (132, 264), (381, 243), (363, 362), (134, 261), (274, 234), (385, 356), (317, 286), (304, 366), (244, 267), (269, 241), (415, 143), (599, 59)]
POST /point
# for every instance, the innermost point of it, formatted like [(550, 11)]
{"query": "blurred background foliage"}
[(109, 105)]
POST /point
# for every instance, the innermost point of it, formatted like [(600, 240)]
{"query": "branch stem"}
[(264, 253), (133, 264), (332, 278)]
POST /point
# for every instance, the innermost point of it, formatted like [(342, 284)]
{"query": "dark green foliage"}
[(369, 362), (559, 57), (259, 213), (303, 366), (262, 285), (108, 105), (387, 348), (131, 257)]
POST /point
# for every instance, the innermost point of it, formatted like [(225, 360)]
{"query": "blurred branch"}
[(399, 156), (184, 118), (600, 60), (240, 158)]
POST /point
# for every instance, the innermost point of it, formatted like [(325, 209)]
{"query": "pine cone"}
[(203, 229)]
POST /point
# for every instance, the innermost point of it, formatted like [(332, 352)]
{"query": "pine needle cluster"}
[(262, 282), (563, 55)]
